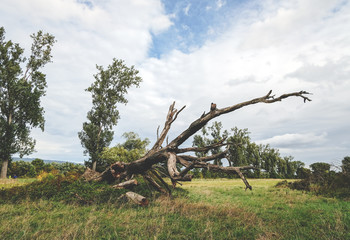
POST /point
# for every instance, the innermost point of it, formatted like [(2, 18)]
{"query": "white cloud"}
[(295, 140), (281, 45), (220, 4), (275, 51), (187, 9)]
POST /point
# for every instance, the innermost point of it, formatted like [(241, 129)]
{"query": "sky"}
[(196, 52)]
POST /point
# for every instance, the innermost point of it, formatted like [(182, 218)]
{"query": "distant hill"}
[(15, 159)]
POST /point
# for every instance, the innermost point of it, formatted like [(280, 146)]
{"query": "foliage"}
[(303, 173), (107, 91), (132, 149), (38, 164), (323, 181), (20, 93), (37, 167), (242, 152), (346, 165), (68, 188), (216, 136), (64, 168), (320, 167), (22, 169)]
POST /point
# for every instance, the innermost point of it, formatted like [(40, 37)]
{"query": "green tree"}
[(303, 173), (134, 142), (109, 88), (346, 165), (216, 135), (243, 152), (320, 167), (20, 94), (132, 149), (22, 169), (239, 150), (320, 172), (38, 164)]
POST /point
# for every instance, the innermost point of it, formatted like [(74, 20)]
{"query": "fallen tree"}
[(171, 154)]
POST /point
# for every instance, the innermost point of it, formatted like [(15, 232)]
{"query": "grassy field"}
[(207, 209), (9, 183)]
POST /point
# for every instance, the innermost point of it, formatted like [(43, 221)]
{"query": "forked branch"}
[(215, 112)]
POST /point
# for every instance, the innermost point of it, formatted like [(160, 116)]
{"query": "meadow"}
[(201, 209)]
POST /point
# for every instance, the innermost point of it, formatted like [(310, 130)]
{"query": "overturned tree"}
[(172, 154)]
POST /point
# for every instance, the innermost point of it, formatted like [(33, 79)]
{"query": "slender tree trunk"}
[(5, 162), (94, 165), (94, 161), (4, 169)]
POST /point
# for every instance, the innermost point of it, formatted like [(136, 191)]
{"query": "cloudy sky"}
[(197, 52)]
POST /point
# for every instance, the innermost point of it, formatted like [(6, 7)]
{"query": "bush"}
[(61, 188), (327, 183), (304, 185), (21, 169), (37, 166), (55, 186)]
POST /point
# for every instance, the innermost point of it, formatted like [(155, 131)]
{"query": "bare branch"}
[(203, 149), (204, 159), (172, 166), (158, 132), (154, 172), (171, 117), (154, 183), (178, 113), (204, 119), (126, 184)]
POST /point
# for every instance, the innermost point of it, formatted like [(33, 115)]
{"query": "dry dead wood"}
[(137, 198), (127, 184), (171, 154)]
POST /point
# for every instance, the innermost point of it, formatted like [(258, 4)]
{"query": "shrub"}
[(21, 169), (66, 188)]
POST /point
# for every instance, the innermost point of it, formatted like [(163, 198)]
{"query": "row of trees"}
[(266, 160), (38, 166)]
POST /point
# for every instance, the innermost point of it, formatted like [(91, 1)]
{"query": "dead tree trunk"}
[(171, 154)]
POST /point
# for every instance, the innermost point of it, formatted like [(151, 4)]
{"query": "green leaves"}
[(20, 93), (243, 152), (110, 87)]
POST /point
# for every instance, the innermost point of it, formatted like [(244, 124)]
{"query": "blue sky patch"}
[(194, 23)]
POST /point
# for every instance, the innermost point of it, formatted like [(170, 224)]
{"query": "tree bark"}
[(4, 167), (137, 198), (94, 165), (5, 162)]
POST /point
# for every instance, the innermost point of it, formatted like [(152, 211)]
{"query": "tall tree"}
[(217, 136), (20, 94), (109, 88)]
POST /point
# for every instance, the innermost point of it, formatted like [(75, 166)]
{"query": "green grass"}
[(211, 209), (9, 183)]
